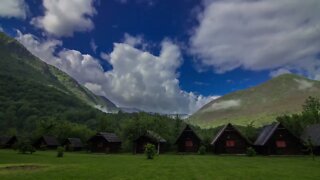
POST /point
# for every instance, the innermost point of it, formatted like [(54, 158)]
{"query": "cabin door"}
[(189, 145)]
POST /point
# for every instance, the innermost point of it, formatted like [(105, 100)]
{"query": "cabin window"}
[(281, 144), (230, 143), (188, 143)]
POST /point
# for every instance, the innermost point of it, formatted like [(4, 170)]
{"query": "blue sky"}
[(218, 46)]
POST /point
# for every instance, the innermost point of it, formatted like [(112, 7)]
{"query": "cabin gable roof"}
[(186, 130), (223, 129)]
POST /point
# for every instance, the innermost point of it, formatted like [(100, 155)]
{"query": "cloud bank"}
[(227, 104), (138, 79), (13, 9), (64, 17), (259, 35)]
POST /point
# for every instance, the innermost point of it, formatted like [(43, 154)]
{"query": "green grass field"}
[(45, 165)]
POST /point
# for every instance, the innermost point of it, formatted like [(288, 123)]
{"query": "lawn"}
[(45, 165)]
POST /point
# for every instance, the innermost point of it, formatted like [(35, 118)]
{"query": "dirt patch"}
[(21, 167)]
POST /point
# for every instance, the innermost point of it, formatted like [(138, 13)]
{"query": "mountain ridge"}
[(17, 61), (260, 104)]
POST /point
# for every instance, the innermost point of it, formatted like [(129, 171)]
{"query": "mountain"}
[(18, 63), (284, 94)]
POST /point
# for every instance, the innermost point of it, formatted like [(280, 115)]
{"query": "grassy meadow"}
[(45, 165)]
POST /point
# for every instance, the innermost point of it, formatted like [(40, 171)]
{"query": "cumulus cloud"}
[(63, 18), (93, 45), (259, 35), (227, 104), (138, 79), (13, 9), (304, 84), (279, 72)]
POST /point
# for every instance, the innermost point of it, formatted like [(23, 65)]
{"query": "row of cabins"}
[(273, 139)]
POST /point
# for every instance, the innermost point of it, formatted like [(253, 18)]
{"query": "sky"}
[(169, 56)]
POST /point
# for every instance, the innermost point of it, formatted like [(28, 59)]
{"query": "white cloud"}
[(63, 18), (138, 79), (227, 104), (1, 29), (279, 72), (93, 45), (259, 35), (13, 9), (304, 84)]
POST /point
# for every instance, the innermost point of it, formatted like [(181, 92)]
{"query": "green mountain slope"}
[(17, 62), (284, 94)]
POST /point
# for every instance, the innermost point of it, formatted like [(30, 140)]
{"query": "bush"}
[(202, 150), (150, 151), (25, 147), (250, 152), (60, 151)]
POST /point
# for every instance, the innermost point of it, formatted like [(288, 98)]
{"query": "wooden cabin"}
[(275, 139), (149, 137), (312, 133), (7, 141), (230, 141), (46, 142), (73, 144), (188, 141), (104, 142)]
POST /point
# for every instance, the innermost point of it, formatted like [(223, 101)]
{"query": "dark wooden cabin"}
[(275, 139), (149, 137), (73, 144), (7, 141), (230, 141), (188, 141), (312, 133), (104, 142), (46, 142)]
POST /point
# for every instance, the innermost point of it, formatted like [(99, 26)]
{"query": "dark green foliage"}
[(310, 115), (250, 152), (310, 147), (150, 151), (202, 150), (60, 152), (250, 131), (24, 147)]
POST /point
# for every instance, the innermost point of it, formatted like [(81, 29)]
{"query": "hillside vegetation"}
[(261, 104), (17, 62)]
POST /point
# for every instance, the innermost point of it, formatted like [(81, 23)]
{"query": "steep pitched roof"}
[(187, 129), (110, 137), (223, 129), (154, 136), (312, 131), (266, 133), (75, 142), (51, 141)]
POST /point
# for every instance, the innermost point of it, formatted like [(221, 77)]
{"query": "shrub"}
[(60, 151), (150, 151), (202, 150), (25, 147), (250, 152)]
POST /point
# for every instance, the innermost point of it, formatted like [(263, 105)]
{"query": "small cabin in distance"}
[(46, 142), (149, 137), (7, 141), (73, 144), (188, 141), (275, 139), (230, 141), (312, 133), (104, 142)]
